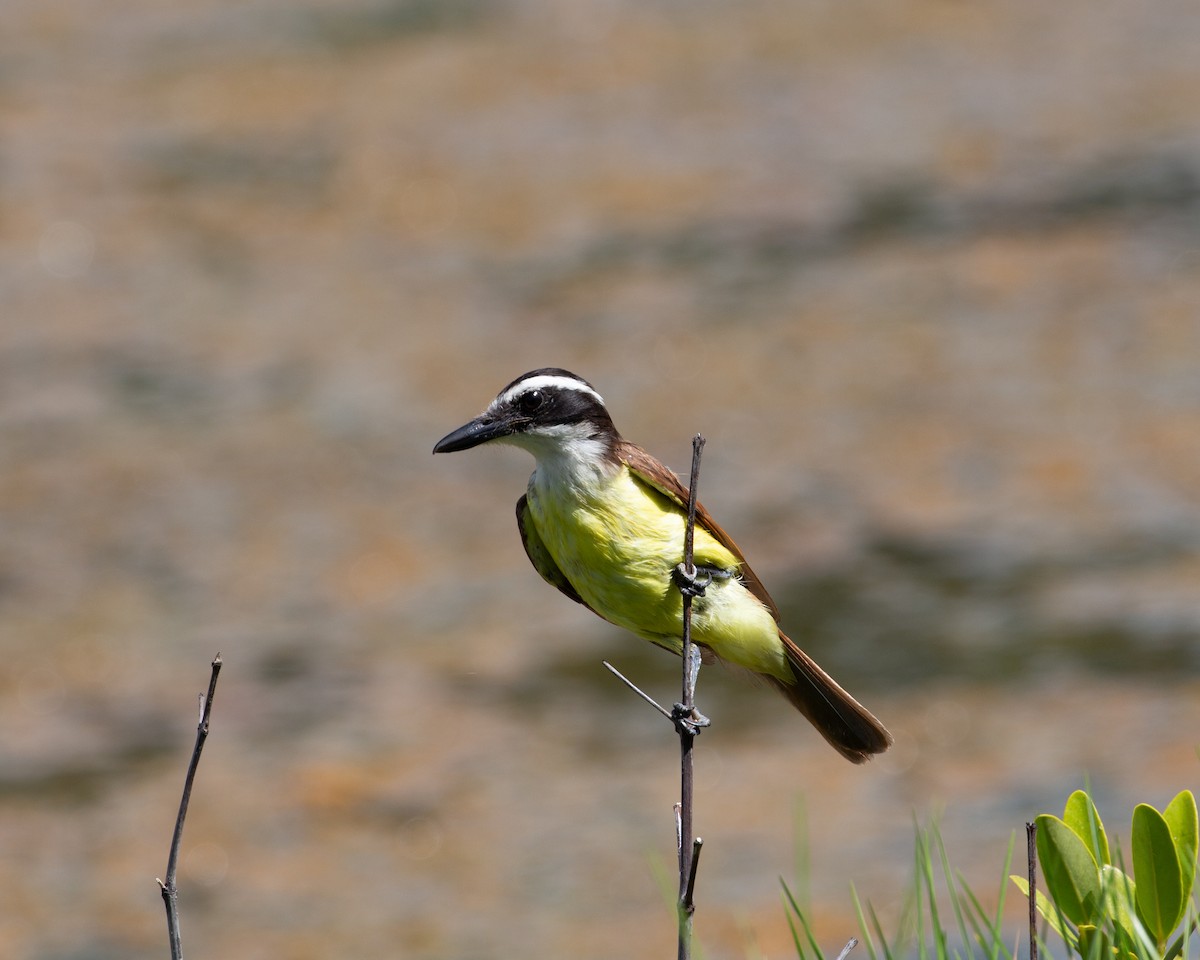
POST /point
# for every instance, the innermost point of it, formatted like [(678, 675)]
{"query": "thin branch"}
[(687, 719), (850, 945), (170, 893), (697, 844), (690, 655), (638, 690), (1031, 850), (678, 808), (690, 530)]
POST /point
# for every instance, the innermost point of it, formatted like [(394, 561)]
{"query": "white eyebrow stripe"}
[(542, 382)]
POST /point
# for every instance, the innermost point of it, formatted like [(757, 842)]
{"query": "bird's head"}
[(550, 412)]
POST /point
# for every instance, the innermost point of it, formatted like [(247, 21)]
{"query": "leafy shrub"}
[(1099, 909)]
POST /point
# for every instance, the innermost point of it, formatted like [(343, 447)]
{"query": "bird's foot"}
[(692, 583), (686, 720)]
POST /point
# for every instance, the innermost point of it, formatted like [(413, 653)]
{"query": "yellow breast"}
[(618, 540)]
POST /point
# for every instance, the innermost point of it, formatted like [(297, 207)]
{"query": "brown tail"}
[(848, 726)]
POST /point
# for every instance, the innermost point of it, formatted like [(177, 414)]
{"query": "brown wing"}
[(539, 556), (649, 470)]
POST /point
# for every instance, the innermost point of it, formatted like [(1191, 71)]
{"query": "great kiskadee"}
[(603, 521)]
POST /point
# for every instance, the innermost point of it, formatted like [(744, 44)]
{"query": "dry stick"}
[(688, 723), (638, 690), (689, 846), (170, 894), (850, 945), (1031, 851)]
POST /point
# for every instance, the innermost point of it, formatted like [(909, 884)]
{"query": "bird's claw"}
[(688, 720), (692, 583)]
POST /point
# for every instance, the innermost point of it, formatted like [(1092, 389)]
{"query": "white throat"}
[(569, 459)]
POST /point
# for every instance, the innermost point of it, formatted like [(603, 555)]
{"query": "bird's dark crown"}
[(552, 396)]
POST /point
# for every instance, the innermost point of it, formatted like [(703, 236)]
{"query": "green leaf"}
[(1181, 821), (1159, 895), (1047, 910), (1072, 877), (1081, 815), (1120, 895)]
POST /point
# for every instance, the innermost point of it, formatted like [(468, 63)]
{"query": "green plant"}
[(925, 932), (1101, 911)]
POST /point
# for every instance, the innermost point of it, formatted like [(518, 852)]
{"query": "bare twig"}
[(638, 690), (1031, 850), (697, 844), (170, 893), (688, 848), (850, 945), (687, 719)]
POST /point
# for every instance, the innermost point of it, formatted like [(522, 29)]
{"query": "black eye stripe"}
[(553, 404)]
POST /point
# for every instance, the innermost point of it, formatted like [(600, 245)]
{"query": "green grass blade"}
[(1119, 905), (987, 928), (799, 946), (889, 951), (1002, 893), (951, 888), (805, 926), (866, 939), (927, 913)]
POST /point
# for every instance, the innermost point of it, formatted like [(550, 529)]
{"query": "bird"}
[(603, 521)]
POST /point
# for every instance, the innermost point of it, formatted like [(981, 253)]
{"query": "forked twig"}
[(170, 893)]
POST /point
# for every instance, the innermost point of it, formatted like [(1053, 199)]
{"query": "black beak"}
[(480, 430)]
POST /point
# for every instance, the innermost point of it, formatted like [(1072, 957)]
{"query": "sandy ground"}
[(927, 278)]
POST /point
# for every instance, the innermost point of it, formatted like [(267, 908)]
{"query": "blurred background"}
[(927, 276)]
